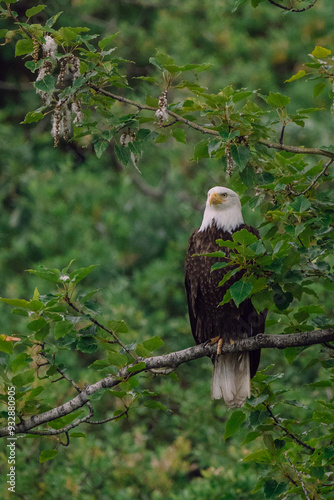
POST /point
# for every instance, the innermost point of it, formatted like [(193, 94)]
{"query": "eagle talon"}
[(214, 340), (231, 341)]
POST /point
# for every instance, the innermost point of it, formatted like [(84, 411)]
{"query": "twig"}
[(323, 171), (299, 477), (286, 431), (67, 440), (303, 9), (282, 135), (18, 22), (110, 419), (97, 323), (54, 432)]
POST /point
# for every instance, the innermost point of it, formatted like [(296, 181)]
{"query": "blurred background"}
[(62, 204)]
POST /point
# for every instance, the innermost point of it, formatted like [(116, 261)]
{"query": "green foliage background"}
[(62, 204)]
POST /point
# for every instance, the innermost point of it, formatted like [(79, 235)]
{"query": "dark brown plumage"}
[(208, 320)]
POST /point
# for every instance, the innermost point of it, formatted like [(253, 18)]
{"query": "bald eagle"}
[(210, 321)]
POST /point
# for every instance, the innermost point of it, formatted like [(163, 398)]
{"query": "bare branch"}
[(286, 431), (323, 172), (166, 361), (299, 477)]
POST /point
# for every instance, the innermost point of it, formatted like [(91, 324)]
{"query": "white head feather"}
[(223, 207)]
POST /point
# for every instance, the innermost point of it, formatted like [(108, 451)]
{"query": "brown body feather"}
[(208, 319)]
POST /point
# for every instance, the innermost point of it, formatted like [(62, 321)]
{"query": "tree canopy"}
[(116, 119)]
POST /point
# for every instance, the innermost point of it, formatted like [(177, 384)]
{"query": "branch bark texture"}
[(168, 361)]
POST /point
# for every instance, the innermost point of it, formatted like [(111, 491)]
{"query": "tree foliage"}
[(262, 143)]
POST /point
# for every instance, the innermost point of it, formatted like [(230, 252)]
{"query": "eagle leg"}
[(219, 347), (220, 342)]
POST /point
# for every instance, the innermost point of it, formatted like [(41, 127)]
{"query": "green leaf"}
[(52, 20), (321, 52), (260, 457), (301, 204), (240, 291), (46, 274), (118, 326), (213, 146), (277, 100), (201, 150), (227, 243), (100, 147), (226, 299), (87, 344), (106, 41), (240, 155), (117, 359), (16, 303), (261, 300), (219, 265), (24, 378), (33, 117), (35, 10), (35, 392), (80, 274), (272, 489), (297, 76), (244, 237), (251, 436), (36, 325), (47, 455), (68, 34), (234, 423), (62, 328), (77, 435), (137, 367), (61, 422), (20, 361), (5, 346), (47, 84), (283, 300), (180, 135), (155, 405), (237, 4), (153, 343), (291, 353), (123, 154), (24, 46), (318, 88)]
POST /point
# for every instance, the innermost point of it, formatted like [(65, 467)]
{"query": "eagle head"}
[(223, 208)]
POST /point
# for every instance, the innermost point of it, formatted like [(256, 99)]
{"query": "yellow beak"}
[(215, 199)]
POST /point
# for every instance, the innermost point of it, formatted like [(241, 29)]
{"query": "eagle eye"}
[(224, 195)]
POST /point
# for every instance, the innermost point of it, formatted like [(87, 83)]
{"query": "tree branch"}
[(303, 9), (297, 149), (205, 130), (323, 172), (286, 431), (299, 477), (164, 361)]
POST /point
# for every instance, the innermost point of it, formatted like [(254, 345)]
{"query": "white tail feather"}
[(231, 379)]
